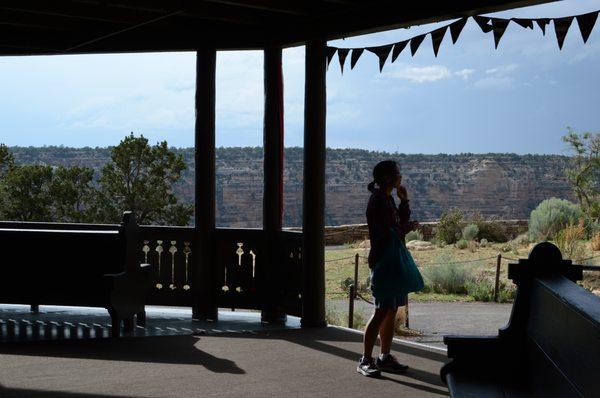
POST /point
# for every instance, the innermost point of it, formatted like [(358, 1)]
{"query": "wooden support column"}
[(273, 181), (204, 287), (313, 203)]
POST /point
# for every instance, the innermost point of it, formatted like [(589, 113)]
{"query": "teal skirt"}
[(395, 274)]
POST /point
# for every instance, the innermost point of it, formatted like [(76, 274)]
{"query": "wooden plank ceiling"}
[(36, 27)]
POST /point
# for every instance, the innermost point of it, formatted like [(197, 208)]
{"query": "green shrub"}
[(551, 216), (362, 288), (462, 244), (483, 290), (414, 235), (491, 231), (488, 229), (523, 239), (450, 278), (449, 230), (470, 232)]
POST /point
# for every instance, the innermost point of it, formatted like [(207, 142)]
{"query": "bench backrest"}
[(559, 324), (54, 266), (563, 339)]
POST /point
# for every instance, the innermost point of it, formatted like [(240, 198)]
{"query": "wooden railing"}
[(170, 251), (251, 271), (245, 276), (290, 271)]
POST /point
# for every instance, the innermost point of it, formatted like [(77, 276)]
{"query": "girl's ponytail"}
[(371, 186)]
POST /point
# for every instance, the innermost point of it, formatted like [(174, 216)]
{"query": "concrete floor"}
[(237, 356)]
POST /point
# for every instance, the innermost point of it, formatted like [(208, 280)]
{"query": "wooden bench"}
[(550, 347), (43, 264)]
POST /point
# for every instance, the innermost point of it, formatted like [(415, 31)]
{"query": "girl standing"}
[(393, 271)]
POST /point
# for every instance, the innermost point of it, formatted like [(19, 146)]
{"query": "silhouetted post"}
[(351, 295), (356, 260), (203, 272), (497, 284), (313, 203), (273, 181)]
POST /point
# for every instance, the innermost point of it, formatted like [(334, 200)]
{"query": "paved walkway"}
[(436, 319), (315, 362)]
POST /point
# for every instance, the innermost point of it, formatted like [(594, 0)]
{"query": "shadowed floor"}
[(295, 362)]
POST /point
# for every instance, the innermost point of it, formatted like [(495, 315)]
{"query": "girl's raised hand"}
[(401, 192)]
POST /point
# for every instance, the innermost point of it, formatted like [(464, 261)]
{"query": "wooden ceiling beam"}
[(385, 15), (276, 6)]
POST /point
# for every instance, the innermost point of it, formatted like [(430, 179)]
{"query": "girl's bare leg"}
[(372, 330), (386, 330)]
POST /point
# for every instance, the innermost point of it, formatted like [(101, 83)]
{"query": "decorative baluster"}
[(253, 263), (240, 253), (173, 250), (186, 251), (225, 288), (146, 250), (159, 249)]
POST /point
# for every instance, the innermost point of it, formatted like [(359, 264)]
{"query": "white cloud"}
[(496, 83), (498, 78), (465, 73), (416, 74), (502, 70)]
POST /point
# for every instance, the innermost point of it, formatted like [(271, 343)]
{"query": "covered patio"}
[(278, 274)]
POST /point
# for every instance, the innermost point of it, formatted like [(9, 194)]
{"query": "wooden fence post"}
[(497, 283), (356, 260), (351, 294)]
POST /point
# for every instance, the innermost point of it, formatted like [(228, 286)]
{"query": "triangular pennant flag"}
[(330, 53), (542, 22), (382, 53), (342, 54), (398, 47), (356, 53), (415, 42), (499, 25), (586, 24), (436, 38), (456, 28), (483, 23), (561, 27), (524, 23)]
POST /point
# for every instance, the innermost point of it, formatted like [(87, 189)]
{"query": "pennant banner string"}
[(497, 26)]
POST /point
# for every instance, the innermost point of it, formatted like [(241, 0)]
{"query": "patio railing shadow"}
[(6, 392), (166, 350)]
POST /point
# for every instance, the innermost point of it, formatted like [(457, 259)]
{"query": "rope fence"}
[(353, 293)]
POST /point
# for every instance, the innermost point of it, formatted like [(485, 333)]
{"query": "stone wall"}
[(342, 234)]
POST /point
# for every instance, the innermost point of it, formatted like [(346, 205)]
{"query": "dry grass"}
[(481, 261)]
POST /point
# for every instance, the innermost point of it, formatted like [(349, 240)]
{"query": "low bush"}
[(450, 278), (569, 241), (362, 288), (470, 232), (484, 243), (489, 229), (551, 216), (462, 244), (483, 290), (523, 239), (414, 235), (595, 242), (449, 230), (334, 316)]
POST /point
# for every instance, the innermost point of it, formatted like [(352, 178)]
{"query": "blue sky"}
[(471, 98)]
